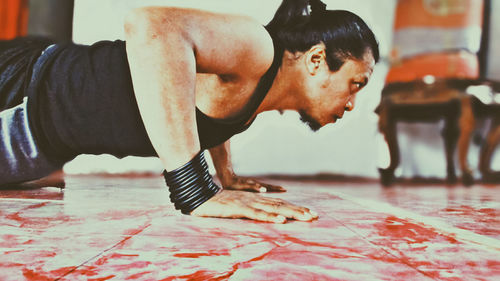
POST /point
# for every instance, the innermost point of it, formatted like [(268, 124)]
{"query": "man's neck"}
[(284, 93)]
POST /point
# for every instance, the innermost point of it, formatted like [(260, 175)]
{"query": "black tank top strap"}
[(213, 132)]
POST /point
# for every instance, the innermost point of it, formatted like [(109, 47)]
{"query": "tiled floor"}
[(123, 228)]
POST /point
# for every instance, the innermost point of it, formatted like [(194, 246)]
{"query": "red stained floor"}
[(123, 228)]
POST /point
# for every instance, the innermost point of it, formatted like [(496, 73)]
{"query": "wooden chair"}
[(432, 64), (418, 101)]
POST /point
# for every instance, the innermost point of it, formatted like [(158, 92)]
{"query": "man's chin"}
[(310, 121)]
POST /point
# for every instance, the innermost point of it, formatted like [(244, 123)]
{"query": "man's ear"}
[(315, 58)]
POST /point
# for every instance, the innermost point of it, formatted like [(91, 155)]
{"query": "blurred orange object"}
[(13, 18), (461, 65), (438, 13), (429, 26)]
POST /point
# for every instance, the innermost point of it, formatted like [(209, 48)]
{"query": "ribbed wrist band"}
[(191, 185)]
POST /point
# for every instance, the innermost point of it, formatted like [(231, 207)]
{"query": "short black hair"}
[(300, 24)]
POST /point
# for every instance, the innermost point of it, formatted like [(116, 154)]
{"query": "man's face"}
[(330, 93)]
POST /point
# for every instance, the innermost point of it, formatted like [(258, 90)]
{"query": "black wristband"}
[(191, 185)]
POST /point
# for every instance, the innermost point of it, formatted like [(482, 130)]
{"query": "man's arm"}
[(221, 157), (166, 47), (163, 69)]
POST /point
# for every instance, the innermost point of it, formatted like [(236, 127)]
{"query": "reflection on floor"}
[(123, 228)]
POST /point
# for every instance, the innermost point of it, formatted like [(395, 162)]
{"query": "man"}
[(187, 80)]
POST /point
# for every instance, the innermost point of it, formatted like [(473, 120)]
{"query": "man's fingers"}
[(249, 213), (273, 188), (256, 186), (252, 185), (265, 187), (249, 184), (238, 204), (286, 209), (262, 215)]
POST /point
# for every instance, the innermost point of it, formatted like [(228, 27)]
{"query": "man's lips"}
[(337, 117)]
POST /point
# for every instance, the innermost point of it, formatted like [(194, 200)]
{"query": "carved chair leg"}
[(466, 124), (487, 150), (387, 126), (450, 134)]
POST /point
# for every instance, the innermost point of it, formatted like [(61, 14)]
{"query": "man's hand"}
[(235, 182), (238, 204), (221, 156)]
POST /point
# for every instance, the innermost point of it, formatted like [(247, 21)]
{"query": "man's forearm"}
[(221, 157)]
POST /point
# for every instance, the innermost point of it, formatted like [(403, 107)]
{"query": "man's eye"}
[(359, 85)]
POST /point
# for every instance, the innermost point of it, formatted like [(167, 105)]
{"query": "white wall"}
[(494, 52), (281, 143)]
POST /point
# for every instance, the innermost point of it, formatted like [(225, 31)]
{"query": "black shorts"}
[(20, 156)]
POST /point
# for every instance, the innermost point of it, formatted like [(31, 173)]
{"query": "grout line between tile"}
[(32, 200), (384, 250), (105, 251), (465, 236)]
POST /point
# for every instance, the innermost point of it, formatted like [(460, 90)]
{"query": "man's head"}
[(337, 51), (326, 94)]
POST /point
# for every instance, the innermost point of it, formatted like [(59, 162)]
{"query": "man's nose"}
[(349, 106)]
